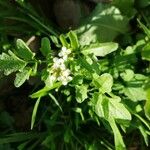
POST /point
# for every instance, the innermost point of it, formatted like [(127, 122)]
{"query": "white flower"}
[(64, 77), (52, 78), (66, 73), (58, 63), (58, 71), (58, 60), (66, 80), (65, 57), (64, 53)]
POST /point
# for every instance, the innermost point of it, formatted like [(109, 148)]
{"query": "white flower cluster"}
[(64, 53), (58, 71)]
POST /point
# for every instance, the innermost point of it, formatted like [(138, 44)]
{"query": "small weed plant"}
[(90, 93)]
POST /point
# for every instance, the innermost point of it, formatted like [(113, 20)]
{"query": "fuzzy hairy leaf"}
[(117, 110), (127, 75), (11, 63), (103, 82), (147, 104), (24, 51), (100, 49), (110, 107), (81, 93), (22, 76), (135, 93), (100, 106)]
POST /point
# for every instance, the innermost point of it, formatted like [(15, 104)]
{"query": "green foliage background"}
[(106, 105)]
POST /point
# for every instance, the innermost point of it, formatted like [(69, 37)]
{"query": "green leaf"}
[(127, 75), (100, 106), (19, 137), (106, 107), (44, 91), (11, 63), (135, 93), (103, 25), (117, 110), (74, 40), (24, 51), (103, 82), (67, 135), (22, 76), (144, 121), (83, 62), (79, 110), (119, 144), (35, 112), (55, 100), (147, 104), (145, 29), (126, 7), (81, 93), (23, 145), (63, 41), (146, 52), (142, 3), (100, 49), (45, 46), (144, 133)]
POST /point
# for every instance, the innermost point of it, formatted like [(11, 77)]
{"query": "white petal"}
[(55, 66), (69, 78), (64, 82), (60, 61), (62, 67), (63, 48), (60, 54), (65, 57), (55, 59), (66, 72)]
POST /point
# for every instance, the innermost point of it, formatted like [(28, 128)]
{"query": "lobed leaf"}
[(100, 49), (81, 93), (147, 104), (104, 82), (103, 25), (135, 93), (24, 51), (22, 76), (11, 63), (106, 107)]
